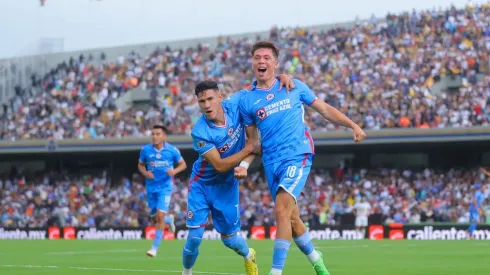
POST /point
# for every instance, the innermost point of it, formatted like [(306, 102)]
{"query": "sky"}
[(72, 25)]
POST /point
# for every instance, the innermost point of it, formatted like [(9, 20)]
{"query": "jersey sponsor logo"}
[(159, 163), (269, 96), (234, 135), (223, 149), (273, 108), (201, 144)]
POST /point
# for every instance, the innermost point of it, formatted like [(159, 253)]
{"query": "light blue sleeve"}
[(142, 158), (306, 94), (177, 157), (236, 98), (201, 144)]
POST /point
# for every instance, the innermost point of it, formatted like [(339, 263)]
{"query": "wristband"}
[(244, 164)]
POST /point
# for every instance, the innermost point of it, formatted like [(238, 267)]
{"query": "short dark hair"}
[(163, 128), (206, 85), (263, 44)]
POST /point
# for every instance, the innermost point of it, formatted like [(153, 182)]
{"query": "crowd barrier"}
[(374, 232)]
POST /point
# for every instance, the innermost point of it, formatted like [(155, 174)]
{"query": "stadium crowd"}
[(378, 72), (400, 196)]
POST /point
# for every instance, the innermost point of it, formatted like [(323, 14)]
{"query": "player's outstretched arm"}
[(226, 164), (332, 114)]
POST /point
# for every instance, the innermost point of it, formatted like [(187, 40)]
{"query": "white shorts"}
[(361, 221)]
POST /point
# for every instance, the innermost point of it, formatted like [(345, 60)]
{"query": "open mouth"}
[(262, 70), (208, 112)]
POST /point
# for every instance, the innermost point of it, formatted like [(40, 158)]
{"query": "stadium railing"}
[(340, 138)]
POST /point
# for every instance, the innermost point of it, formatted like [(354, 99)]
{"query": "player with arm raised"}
[(156, 163), (287, 148), (219, 138)]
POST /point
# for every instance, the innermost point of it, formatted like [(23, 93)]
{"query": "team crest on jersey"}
[(201, 144), (230, 131), (223, 149), (261, 113), (158, 156), (269, 96), (190, 214)]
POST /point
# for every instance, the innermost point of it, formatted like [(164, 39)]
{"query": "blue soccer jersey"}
[(210, 191), (279, 116), (228, 140), (479, 197), (158, 162)]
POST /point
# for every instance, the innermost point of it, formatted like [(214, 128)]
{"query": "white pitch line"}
[(114, 269), (90, 252)]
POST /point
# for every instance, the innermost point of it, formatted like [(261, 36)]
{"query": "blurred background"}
[(83, 81)]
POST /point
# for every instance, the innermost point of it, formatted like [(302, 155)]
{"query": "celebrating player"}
[(219, 138), (362, 210), (287, 148), (156, 163)]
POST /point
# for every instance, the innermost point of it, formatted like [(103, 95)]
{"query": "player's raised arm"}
[(330, 113)]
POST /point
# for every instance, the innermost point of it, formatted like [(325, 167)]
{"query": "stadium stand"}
[(418, 70), (400, 196)]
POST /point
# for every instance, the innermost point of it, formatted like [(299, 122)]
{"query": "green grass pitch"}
[(82, 257)]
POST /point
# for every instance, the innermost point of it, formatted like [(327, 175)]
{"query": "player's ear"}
[(276, 64)]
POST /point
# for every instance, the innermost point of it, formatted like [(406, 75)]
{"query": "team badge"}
[(201, 144), (230, 131), (261, 113), (190, 214), (269, 96), (223, 149), (159, 156)]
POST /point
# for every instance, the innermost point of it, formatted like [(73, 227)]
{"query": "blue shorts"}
[(222, 200), (290, 175), (158, 201)]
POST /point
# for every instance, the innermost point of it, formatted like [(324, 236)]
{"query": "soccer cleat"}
[(151, 253), (251, 267), (171, 225), (319, 266)]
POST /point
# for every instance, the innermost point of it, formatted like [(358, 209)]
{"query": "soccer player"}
[(219, 138), (156, 163), (362, 209), (475, 208), (287, 148)]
